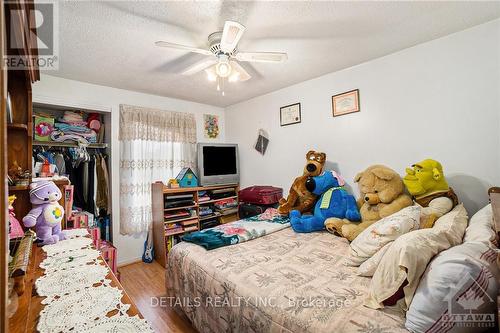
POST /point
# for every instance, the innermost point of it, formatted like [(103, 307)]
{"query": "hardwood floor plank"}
[(142, 282)]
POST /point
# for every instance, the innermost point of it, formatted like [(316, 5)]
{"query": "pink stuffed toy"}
[(47, 213)]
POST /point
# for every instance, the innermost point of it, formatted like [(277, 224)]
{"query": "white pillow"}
[(481, 226), (376, 236), (460, 280), (369, 267), (408, 256)]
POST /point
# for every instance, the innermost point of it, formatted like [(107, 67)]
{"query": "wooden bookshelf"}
[(160, 193)]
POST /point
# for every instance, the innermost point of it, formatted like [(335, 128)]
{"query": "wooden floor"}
[(142, 282)]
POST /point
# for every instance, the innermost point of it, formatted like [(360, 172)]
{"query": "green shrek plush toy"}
[(426, 183)]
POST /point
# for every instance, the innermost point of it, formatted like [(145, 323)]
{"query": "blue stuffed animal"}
[(335, 201)]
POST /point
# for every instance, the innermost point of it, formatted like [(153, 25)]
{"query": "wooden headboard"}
[(494, 194)]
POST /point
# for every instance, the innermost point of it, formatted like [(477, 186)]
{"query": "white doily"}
[(115, 324), (64, 282), (80, 308), (67, 245), (67, 260), (73, 233)]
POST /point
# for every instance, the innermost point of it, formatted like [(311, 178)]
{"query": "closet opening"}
[(71, 146)]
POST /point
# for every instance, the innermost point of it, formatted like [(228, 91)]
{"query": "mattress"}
[(282, 282)]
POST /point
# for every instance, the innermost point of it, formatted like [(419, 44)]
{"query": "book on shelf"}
[(171, 241), (191, 228), (190, 213), (189, 222), (179, 203), (170, 226), (173, 231), (176, 214), (179, 197)]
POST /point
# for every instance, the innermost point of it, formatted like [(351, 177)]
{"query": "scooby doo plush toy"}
[(381, 190), (299, 198), (334, 202), (426, 183)]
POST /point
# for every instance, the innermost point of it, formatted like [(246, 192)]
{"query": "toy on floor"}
[(299, 198), (426, 183), (381, 190), (335, 201), (46, 214)]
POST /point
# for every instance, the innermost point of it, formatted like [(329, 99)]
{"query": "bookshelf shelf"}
[(216, 200), (163, 241), (15, 126), (187, 218), (174, 233), (179, 208)]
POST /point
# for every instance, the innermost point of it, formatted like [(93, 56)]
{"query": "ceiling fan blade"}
[(183, 47), (199, 66), (238, 72), (231, 35), (261, 56)]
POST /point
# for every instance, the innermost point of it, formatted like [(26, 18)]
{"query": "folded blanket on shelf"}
[(60, 136), (240, 231), (66, 127)]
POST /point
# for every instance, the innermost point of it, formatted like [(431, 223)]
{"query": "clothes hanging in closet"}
[(88, 173)]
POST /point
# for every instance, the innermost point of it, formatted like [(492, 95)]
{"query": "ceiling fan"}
[(224, 55)]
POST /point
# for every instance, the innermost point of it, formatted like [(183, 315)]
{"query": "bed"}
[(282, 282)]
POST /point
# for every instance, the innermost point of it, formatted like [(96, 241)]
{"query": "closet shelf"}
[(68, 144)]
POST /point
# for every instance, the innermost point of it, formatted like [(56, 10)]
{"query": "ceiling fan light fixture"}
[(223, 69)]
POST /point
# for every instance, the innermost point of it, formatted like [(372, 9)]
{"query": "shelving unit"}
[(160, 193), (18, 23)]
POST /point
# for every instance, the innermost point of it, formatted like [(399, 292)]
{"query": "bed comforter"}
[(282, 282)]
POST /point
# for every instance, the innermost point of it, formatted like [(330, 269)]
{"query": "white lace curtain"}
[(154, 146)]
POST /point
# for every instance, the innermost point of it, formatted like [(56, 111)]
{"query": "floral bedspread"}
[(282, 282), (239, 231)]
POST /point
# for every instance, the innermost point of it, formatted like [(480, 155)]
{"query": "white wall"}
[(435, 100), (65, 92)]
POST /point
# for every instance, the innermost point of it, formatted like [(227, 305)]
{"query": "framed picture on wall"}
[(290, 114), (345, 103)]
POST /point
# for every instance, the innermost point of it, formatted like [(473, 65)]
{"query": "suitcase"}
[(261, 195), (249, 210)]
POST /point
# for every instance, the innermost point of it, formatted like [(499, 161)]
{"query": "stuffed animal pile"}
[(46, 214), (382, 193)]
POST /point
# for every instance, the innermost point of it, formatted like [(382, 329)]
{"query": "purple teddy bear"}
[(46, 214)]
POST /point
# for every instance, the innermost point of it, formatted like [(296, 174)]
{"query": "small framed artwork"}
[(345, 103), (290, 114)]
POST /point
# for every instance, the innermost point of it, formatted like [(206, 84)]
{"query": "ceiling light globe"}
[(223, 69)]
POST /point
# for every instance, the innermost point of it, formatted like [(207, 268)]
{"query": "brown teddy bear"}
[(382, 194), (299, 198)]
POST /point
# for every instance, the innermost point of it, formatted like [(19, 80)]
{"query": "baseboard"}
[(129, 262)]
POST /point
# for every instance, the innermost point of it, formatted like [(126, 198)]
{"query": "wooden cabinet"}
[(161, 193)]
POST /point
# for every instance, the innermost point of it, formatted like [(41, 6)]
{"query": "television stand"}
[(177, 211)]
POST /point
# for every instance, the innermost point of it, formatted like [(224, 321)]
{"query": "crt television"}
[(218, 163)]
